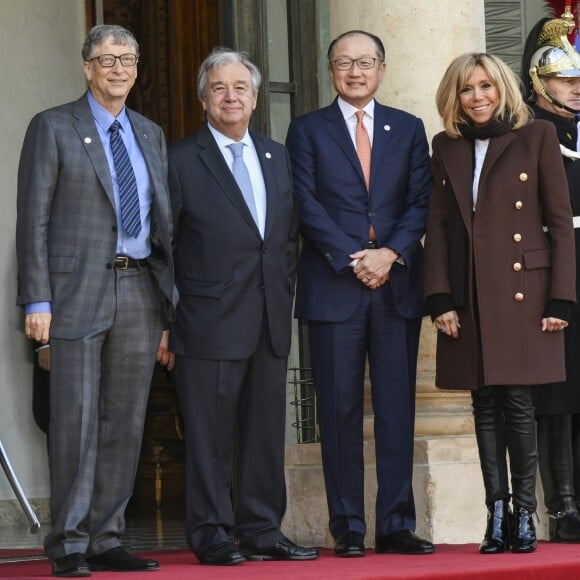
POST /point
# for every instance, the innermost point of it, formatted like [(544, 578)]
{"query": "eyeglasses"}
[(109, 60), (364, 62)]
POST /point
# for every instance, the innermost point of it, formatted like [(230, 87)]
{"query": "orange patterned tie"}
[(363, 147)]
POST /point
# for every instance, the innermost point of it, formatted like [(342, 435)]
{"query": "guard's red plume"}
[(558, 8)]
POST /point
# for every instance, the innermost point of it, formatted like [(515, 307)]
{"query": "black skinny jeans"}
[(505, 424)]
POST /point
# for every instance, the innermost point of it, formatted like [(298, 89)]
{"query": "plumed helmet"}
[(548, 53), (553, 61)]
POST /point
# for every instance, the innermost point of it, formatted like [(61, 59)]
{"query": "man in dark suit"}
[(235, 256), (95, 277), (361, 173)]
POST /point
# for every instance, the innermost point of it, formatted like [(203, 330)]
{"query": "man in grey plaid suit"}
[(100, 292)]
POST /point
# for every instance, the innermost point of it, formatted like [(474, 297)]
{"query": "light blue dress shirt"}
[(252, 162), (139, 247)]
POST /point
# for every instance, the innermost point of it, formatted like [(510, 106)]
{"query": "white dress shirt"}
[(481, 146), (349, 113), (250, 156)]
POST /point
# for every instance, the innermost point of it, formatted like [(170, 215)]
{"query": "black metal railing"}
[(306, 416)]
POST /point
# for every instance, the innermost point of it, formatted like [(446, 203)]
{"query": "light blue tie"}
[(128, 195), (242, 177)]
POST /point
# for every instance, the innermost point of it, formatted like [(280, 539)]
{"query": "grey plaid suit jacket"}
[(66, 231)]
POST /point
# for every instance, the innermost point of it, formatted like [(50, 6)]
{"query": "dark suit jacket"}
[(228, 278), (336, 210), (66, 231), (565, 397)]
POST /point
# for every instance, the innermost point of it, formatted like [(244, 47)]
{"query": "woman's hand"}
[(552, 324), (448, 323)]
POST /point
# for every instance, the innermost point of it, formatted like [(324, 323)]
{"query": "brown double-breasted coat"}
[(497, 263)]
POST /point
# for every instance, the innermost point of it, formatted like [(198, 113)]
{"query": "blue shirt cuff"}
[(37, 307)]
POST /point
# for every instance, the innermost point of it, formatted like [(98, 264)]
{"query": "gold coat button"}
[(519, 297), (523, 176), (517, 237), (519, 204), (517, 266)]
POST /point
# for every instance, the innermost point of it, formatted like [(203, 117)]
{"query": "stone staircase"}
[(449, 493)]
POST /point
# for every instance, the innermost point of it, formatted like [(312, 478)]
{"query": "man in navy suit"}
[(363, 192), (235, 252)]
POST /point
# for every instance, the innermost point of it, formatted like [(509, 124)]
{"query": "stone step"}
[(447, 484)]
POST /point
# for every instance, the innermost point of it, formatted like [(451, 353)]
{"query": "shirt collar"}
[(348, 110), (223, 140), (104, 119)]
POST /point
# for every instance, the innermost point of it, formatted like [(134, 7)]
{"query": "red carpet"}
[(450, 562), (9, 553)]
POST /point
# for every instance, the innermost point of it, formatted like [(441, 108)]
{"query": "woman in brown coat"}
[(497, 286)]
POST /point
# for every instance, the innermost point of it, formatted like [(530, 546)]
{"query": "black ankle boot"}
[(523, 531), (565, 525), (496, 539)]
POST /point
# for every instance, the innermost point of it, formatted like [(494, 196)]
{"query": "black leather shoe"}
[(71, 566), (284, 550), (497, 534), (565, 528), (403, 542), (565, 524), (224, 554), (349, 545), (523, 531), (119, 560)]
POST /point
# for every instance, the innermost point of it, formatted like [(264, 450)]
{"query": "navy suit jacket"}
[(336, 210)]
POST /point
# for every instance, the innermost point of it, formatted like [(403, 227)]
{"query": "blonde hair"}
[(511, 103)]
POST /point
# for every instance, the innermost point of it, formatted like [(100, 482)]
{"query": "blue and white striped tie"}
[(128, 195)]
